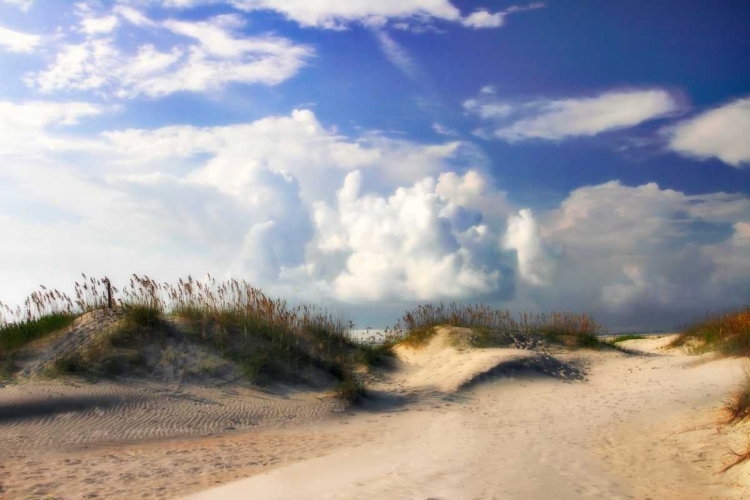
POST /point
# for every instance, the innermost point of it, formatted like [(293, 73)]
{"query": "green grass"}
[(375, 354), (16, 335), (351, 388), (7, 366)]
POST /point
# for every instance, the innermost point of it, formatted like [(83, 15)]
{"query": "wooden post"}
[(109, 293)]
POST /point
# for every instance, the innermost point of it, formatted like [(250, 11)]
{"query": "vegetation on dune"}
[(267, 339), (727, 333), (43, 312), (737, 406), (495, 327)]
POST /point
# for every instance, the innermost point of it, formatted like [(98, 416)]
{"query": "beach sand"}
[(443, 423)]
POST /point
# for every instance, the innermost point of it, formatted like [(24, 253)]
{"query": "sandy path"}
[(629, 432), (637, 427)]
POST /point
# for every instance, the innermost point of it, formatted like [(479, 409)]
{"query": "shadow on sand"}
[(54, 405)]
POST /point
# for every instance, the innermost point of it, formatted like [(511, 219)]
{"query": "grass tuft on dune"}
[(494, 327), (727, 333)]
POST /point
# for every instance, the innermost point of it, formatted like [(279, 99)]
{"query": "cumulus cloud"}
[(302, 210), (555, 120), (646, 250), (245, 200), (413, 245), (523, 236), (721, 133), (16, 41), (218, 55)]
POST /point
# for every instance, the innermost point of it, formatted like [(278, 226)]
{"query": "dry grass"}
[(266, 338), (727, 333), (737, 406), (737, 457), (493, 327)]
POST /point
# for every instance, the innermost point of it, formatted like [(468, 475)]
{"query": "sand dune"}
[(447, 421)]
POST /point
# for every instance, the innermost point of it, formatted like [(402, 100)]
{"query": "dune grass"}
[(266, 338), (494, 327), (16, 335), (737, 406), (47, 311), (727, 333)]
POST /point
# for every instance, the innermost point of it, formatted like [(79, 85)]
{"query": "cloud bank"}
[(308, 213)]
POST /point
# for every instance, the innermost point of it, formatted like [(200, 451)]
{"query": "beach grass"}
[(494, 327), (266, 338), (727, 333), (737, 405)]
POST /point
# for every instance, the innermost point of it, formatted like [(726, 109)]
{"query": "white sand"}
[(637, 427), (632, 431)]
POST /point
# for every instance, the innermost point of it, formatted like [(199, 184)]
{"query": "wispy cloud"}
[(560, 119), (443, 130), (486, 19), (218, 55), (397, 55), (409, 15), (24, 5)]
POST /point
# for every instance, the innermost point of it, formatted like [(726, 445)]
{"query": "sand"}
[(445, 423)]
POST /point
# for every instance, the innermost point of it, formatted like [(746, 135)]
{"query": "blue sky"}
[(581, 155)]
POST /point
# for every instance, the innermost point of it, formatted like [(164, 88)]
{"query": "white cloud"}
[(397, 55), (333, 14), (297, 144), (302, 210), (99, 25), (15, 41), (443, 130), (259, 200), (133, 16), (522, 235), (627, 249), (27, 129), (218, 57), (722, 133), (407, 246), (564, 118), (485, 19), (410, 15), (24, 5)]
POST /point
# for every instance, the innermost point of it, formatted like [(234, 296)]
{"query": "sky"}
[(370, 156)]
